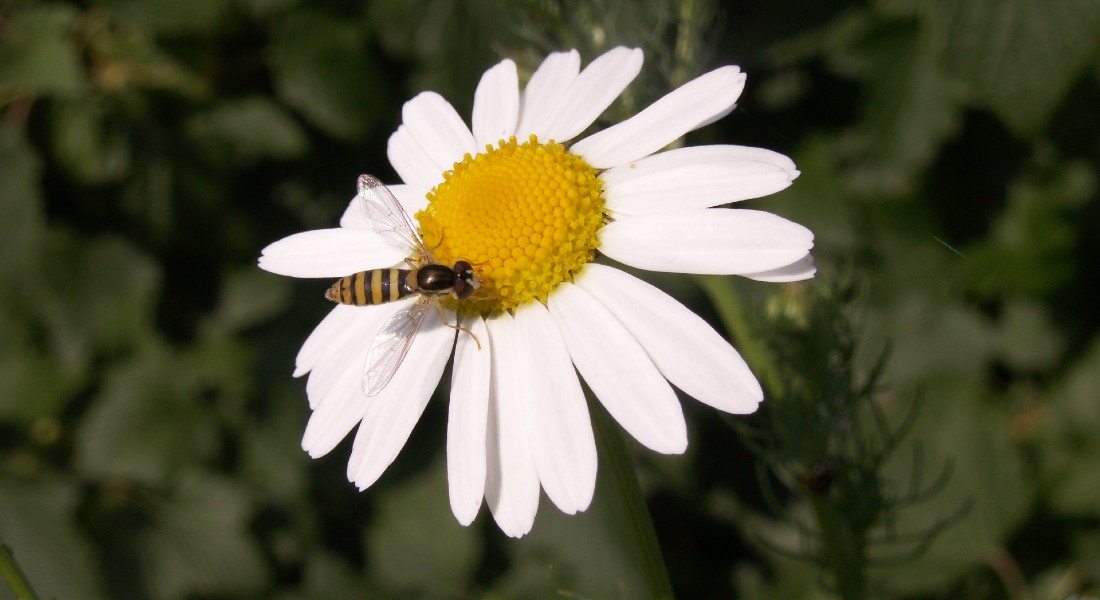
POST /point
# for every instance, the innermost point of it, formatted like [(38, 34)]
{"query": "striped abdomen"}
[(371, 287), (386, 285)]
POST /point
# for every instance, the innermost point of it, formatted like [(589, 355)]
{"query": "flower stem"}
[(17, 580), (844, 550), (628, 496)]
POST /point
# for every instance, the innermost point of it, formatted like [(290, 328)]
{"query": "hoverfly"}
[(425, 278)]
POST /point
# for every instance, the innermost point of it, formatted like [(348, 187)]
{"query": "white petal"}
[(412, 163), (354, 217), (797, 271), (592, 92), (467, 419), (545, 90), (696, 177), (413, 198), (716, 117), (559, 431), (689, 353), (328, 253), (393, 412), (720, 241), (337, 320), (511, 483), (618, 370), (437, 129), (685, 108), (341, 353), (335, 387), (342, 407), (496, 105)]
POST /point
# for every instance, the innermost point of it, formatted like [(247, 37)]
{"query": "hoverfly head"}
[(466, 280)]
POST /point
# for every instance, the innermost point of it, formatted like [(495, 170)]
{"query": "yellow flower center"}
[(524, 215)]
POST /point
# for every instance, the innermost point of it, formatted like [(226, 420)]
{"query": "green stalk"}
[(17, 580), (844, 550), (628, 497)]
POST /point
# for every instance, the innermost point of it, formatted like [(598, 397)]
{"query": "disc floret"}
[(526, 216)]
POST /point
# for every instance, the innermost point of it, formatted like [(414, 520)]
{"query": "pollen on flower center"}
[(524, 215)]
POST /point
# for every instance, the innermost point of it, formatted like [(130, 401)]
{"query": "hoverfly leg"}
[(442, 234), (456, 326)]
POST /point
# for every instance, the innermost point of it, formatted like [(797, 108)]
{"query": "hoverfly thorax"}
[(435, 279)]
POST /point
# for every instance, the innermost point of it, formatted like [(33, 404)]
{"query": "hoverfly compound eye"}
[(462, 289), (465, 280)]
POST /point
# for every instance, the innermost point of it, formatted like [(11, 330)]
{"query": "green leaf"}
[(447, 41), (897, 8), (928, 337), (415, 533), (1075, 394), (1030, 248), (986, 479), (1079, 486), (272, 461), (147, 424), (326, 576), (87, 300), (249, 297), (150, 196), (128, 59), (1066, 441), (1027, 339), (199, 542), (22, 217), (94, 296), (1087, 550), (266, 8), (911, 108), (219, 366), (1020, 56), (322, 68), (33, 383), (36, 54), (246, 130), (37, 523), (792, 580), (87, 146), (168, 16)]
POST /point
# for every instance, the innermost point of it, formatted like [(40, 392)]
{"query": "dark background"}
[(149, 426)]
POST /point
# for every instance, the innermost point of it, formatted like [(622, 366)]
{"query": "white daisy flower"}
[(531, 211)]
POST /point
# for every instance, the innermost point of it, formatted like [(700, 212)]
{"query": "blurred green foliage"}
[(950, 158)]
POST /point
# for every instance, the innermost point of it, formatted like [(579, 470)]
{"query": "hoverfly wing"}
[(392, 343), (388, 218)]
